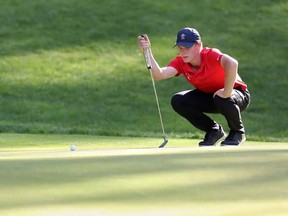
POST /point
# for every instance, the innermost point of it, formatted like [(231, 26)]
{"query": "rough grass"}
[(73, 67)]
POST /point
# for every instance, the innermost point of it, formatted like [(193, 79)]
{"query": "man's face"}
[(189, 54)]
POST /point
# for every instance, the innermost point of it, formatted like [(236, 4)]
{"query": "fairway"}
[(138, 180)]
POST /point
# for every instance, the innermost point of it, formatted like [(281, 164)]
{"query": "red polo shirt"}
[(210, 76)]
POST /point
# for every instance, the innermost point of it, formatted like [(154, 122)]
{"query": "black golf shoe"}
[(212, 137), (234, 138)]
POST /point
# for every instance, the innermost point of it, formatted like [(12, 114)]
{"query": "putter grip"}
[(147, 56), (147, 59)]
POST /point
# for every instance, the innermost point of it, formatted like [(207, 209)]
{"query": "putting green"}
[(248, 180)]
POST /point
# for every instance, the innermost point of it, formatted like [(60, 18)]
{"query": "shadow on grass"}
[(179, 178), (32, 26)]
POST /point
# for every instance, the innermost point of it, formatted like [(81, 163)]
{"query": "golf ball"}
[(73, 148)]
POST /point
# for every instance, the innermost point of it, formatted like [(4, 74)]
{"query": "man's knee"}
[(176, 102), (225, 105)]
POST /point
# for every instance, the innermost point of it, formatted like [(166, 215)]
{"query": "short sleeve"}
[(214, 57), (176, 63)]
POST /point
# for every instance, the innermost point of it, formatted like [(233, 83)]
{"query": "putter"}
[(149, 66)]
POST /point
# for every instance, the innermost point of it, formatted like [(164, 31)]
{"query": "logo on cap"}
[(183, 37)]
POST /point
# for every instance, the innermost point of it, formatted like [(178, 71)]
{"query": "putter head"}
[(164, 143)]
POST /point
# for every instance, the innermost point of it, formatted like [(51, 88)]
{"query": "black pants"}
[(192, 105)]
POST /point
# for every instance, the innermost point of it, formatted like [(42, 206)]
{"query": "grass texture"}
[(73, 67), (132, 177)]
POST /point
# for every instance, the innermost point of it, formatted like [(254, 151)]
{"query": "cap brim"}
[(185, 44)]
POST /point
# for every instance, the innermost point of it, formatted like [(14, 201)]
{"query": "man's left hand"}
[(221, 93)]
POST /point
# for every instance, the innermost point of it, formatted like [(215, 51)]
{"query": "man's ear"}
[(199, 43)]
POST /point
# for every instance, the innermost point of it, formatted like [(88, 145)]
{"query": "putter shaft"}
[(149, 66)]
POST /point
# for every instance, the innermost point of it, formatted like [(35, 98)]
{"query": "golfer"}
[(218, 88)]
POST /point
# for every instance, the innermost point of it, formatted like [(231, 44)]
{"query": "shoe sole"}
[(232, 144)]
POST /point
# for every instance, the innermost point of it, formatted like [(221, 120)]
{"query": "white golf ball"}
[(73, 148)]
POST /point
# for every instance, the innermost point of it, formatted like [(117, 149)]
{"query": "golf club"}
[(149, 66)]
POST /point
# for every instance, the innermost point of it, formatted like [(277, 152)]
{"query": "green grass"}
[(129, 176), (71, 71), (73, 67)]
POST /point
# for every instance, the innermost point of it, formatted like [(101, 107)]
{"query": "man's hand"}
[(144, 42), (221, 93)]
